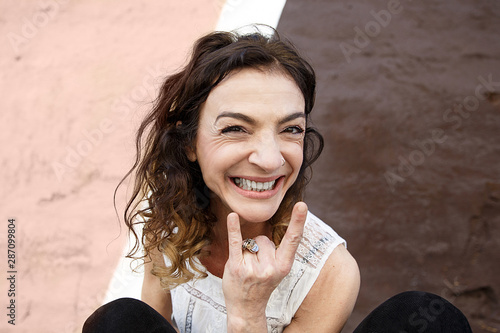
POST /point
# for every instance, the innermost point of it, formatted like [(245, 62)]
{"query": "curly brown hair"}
[(170, 198)]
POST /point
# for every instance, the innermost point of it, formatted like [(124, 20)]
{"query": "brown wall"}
[(410, 174)]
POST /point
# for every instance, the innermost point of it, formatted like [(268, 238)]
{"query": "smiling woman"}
[(234, 123), (249, 124)]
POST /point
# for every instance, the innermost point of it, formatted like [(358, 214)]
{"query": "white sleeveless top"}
[(198, 305)]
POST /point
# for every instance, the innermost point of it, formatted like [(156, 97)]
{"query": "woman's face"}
[(249, 142)]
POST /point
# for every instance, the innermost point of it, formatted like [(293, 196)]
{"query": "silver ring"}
[(250, 245), (282, 161)]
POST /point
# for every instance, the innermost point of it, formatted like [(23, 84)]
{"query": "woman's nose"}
[(266, 154)]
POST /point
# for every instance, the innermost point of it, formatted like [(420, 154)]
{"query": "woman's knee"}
[(126, 315), (415, 311)]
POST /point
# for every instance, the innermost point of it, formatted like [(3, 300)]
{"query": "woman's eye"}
[(294, 130), (233, 129)]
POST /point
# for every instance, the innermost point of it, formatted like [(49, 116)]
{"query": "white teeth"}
[(251, 185)]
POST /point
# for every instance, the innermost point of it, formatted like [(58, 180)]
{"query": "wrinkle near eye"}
[(215, 129), (300, 141), (218, 136)]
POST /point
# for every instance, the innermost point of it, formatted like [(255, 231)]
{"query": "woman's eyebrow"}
[(236, 115), (292, 116), (251, 121)]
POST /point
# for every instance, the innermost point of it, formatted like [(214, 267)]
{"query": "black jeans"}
[(408, 312), (415, 312)]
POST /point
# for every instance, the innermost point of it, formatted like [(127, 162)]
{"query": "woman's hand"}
[(250, 278)]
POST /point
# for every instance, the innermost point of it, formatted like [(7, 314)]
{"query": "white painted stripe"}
[(128, 277), (238, 14), (125, 281)]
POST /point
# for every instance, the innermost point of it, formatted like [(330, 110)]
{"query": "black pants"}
[(408, 312)]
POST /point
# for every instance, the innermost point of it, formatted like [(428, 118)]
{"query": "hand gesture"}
[(250, 278)]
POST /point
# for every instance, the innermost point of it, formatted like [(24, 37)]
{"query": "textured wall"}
[(74, 79), (409, 104)]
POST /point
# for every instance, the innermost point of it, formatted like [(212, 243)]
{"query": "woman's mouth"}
[(251, 185)]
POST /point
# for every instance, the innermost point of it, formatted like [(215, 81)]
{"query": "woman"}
[(229, 244)]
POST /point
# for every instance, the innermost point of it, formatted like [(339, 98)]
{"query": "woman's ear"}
[(190, 151)]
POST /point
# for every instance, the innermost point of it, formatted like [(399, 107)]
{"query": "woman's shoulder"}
[(314, 225), (330, 300), (329, 281), (318, 241)]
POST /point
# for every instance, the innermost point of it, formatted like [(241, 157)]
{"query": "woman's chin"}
[(251, 211), (253, 216)]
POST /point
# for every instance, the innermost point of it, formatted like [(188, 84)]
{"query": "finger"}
[(267, 249), (234, 237), (293, 235)]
